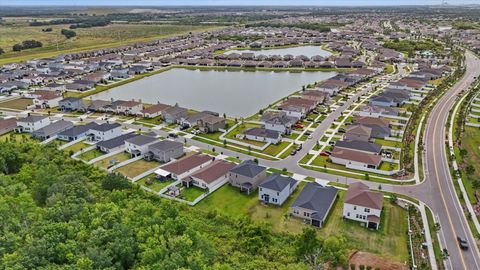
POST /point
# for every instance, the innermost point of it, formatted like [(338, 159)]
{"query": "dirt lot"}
[(368, 259)]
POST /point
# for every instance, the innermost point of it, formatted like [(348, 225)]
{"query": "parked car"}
[(299, 147), (462, 242), (324, 154), (172, 135), (341, 130), (298, 126), (310, 136), (293, 153), (332, 143)]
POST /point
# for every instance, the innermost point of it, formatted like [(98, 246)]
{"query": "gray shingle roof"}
[(32, 119), (106, 127), (262, 132), (316, 198), (53, 128), (77, 130), (248, 168), (278, 183), (165, 145), (360, 146), (117, 141), (141, 140)]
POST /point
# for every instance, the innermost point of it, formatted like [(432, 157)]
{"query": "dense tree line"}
[(410, 46), (59, 213), (321, 27), (27, 44)]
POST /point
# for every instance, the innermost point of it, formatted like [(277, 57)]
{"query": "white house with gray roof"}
[(105, 131), (76, 132), (32, 123), (52, 129), (164, 151), (276, 189), (138, 145), (314, 203)]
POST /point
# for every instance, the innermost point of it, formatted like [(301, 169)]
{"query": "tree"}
[(307, 242), (115, 181), (68, 33), (470, 169), (463, 153), (2, 51)]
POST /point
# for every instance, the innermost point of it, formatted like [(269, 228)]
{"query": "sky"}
[(234, 2)]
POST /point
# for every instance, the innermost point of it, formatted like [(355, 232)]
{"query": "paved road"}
[(437, 191)]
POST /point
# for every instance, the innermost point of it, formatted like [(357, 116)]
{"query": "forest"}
[(59, 213)]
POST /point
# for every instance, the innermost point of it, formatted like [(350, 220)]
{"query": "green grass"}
[(389, 69), (76, 147), (287, 152), (274, 149), (105, 163), (156, 185), (87, 38), (191, 193), (388, 166), (390, 241), (136, 168), (388, 143), (16, 104), (240, 129), (16, 137), (89, 155), (153, 121)]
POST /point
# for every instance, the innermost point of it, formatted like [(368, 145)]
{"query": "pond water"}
[(236, 93), (308, 51)]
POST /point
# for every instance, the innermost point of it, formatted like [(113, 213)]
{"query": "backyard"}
[(390, 241), (112, 160), (136, 168), (16, 104)]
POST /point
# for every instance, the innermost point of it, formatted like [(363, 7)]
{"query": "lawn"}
[(106, 162), (153, 121), (274, 149), (17, 104), (191, 193), (77, 147), (390, 241), (135, 168), (89, 155), (240, 129), (156, 185), (388, 143)]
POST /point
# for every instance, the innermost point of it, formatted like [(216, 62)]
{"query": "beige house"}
[(247, 176)]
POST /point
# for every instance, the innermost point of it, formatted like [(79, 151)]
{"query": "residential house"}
[(276, 189), (32, 123), (361, 146), (76, 132), (138, 145), (174, 115), (261, 135), (247, 176), (105, 131), (278, 121), (46, 99), (52, 129), (363, 205), (357, 133), (71, 104), (180, 169), (210, 176), (355, 159), (298, 107), (314, 203), (164, 151), (380, 127), (154, 110), (130, 107), (7, 125), (211, 123), (116, 143)]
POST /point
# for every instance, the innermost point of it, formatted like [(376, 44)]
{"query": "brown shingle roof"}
[(359, 194), (357, 156), (214, 171), (365, 120), (185, 164)]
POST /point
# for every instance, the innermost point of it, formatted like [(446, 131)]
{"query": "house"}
[(52, 129), (210, 176), (125, 107), (76, 132), (380, 127), (357, 133), (247, 176), (363, 205), (361, 146), (138, 145), (315, 95), (105, 131), (355, 159), (98, 105), (297, 106), (115, 143), (46, 99), (211, 123), (32, 123), (174, 115), (179, 169), (7, 125), (261, 135), (164, 151), (153, 111), (71, 104), (276, 189), (314, 203), (376, 111), (278, 121)]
